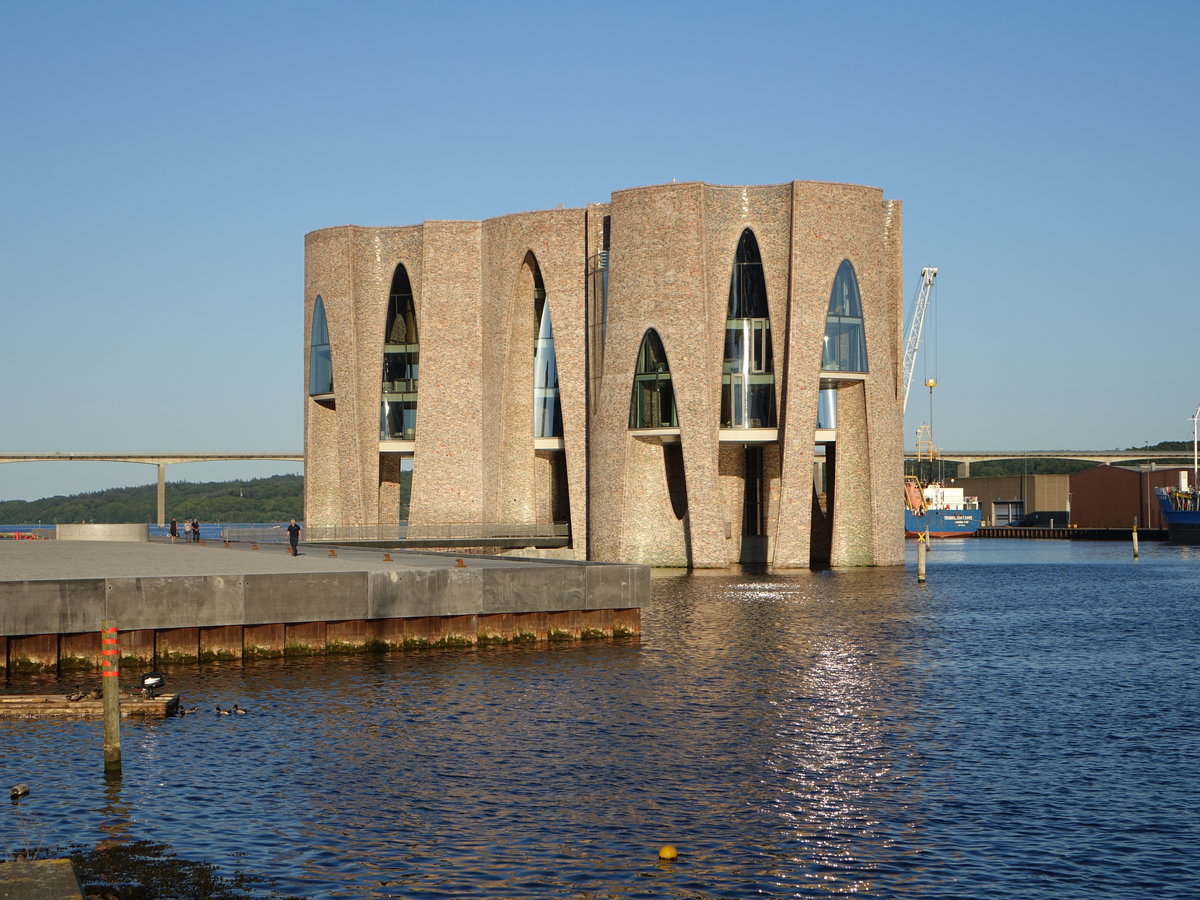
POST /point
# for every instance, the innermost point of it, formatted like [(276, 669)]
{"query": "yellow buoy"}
[(668, 852)]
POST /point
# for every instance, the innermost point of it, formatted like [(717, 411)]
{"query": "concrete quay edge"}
[(39, 879), (68, 588)]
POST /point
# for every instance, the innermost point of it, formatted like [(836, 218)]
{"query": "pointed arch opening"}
[(748, 390), (549, 499), (748, 370), (653, 401), (748, 378), (320, 359), (598, 272), (547, 408), (845, 345), (401, 363)]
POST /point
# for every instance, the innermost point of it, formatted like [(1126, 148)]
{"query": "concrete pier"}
[(39, 879), (1069, 534), (42, 706), (196, 602)]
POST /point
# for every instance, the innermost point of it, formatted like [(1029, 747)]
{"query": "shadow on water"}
[(150, 870), (118, 867)]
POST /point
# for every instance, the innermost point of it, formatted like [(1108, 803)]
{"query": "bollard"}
[(254, 546), (921, 539), (332, 552), (387, 557), (110, 675), (459, 563)]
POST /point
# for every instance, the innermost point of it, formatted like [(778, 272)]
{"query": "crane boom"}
[(914, 328)]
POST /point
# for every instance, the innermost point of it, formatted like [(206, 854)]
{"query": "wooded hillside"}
[(274, 499)]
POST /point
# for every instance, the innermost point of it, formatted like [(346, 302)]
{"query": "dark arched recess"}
[(401, 363)]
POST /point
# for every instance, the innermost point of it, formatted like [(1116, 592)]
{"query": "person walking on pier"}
[(293, 531), (195, 529), (173, 531)]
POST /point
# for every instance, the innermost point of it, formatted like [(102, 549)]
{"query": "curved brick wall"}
[(672, 248)]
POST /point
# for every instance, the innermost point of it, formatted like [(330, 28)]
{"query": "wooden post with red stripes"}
[(110, 683)]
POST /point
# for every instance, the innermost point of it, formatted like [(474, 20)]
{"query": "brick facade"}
[(671, 249)]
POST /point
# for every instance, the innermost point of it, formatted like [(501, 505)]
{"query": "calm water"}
[(1024, 725)]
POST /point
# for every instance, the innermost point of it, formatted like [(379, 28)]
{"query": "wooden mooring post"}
[(1135, 539), (922, 546), (110, 683)]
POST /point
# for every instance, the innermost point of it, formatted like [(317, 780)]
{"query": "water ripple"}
[(1023, 725)]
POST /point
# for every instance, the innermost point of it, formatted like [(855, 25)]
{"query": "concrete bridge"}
[(1107, 457), (162, 460)]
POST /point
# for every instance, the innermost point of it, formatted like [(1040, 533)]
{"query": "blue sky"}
[(163, 161)]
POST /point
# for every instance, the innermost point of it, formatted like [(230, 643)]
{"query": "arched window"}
[(320, 362), (401, 363), (653, 402), (747, 374), (845, 348), (547, 408)]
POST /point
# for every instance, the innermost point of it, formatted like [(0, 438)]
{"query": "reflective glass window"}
[(547, 408), (320, 361), (401, 363), (653, 401), (827, 405), (845, 347), (747, 374)]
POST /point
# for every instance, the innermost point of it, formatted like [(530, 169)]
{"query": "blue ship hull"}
[(942, 523), (1183, 525)]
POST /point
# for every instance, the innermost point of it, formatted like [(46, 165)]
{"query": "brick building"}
[(660, 372), (1118, 496)]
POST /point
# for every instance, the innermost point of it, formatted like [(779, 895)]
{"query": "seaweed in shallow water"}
[(149, 870)]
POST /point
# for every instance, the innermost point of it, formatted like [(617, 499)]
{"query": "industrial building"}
[(1014, 499), (652, 379), (1120, 496), (1099, 497)]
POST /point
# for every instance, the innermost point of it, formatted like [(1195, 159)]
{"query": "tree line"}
[(273, 499)]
